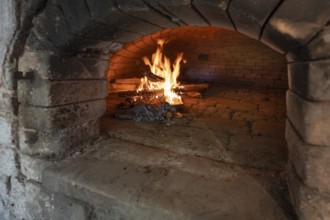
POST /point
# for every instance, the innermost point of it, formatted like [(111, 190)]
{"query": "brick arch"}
[(231, 57), (66, 29)]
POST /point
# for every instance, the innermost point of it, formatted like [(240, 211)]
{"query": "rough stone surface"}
[(46, 93), (32, 166), (318, 48), (63, 207), (4, 180), (308, 202), (215, 12), (250, 16), (147, 189), (142, 11), (8, 25), (310, 119), (158, 135), (294, 23), (184, 11), (57, 142), (238, 125), (6, 131), (8, 164), (60, 117), (310, 80), (55, 67), (310, 162)]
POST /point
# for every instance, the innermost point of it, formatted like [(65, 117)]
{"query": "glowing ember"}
[(161, 66)]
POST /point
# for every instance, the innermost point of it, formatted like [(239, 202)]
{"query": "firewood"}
[(128, 81), (115, 88), (193, 87), (194, 95), (153, 78)]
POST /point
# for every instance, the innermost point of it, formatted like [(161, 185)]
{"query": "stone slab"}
[(149, 189), (249, 16), (179, 139), (57, 142), (60, 117), (55, 67), (308, 202), (295, 23), (311, 80), (310, 162), (310, 119), (46, 93), (221, 140), (318, 48)]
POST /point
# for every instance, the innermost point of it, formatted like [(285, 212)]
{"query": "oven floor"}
[(238, 125), (224, 159)]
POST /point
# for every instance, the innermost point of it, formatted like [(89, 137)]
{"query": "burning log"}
[(131, 81), (115, 87), (130, 86)]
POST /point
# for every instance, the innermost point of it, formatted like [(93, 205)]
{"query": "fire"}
[(161, 66)]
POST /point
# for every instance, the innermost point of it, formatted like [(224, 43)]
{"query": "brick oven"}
[(253, 145)]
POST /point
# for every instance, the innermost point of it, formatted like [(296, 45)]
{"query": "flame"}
[(160, 65)]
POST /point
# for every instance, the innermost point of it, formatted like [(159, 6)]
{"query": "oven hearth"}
[(210, 145)]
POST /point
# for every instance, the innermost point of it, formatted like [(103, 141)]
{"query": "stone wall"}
[(78, 36), (213, 55)]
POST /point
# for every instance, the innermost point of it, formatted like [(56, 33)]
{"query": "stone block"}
[(318, 48), (57, 142), (8, 102), (6, 131), (76, 14), (310, 162), (184, 10), (32, 166), (60, 117), (249, 16), (294, 23), (55, 67), (215, 12), (308, 203), (141, 10), (52, 29), (64, 207), (107, 13), (8, 164), (311, 80), (40, 92), (310, 119)]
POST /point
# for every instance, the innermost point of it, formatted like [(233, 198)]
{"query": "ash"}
[(146, 112)]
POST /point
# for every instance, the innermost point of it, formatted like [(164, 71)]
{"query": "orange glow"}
[(161, 66)]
